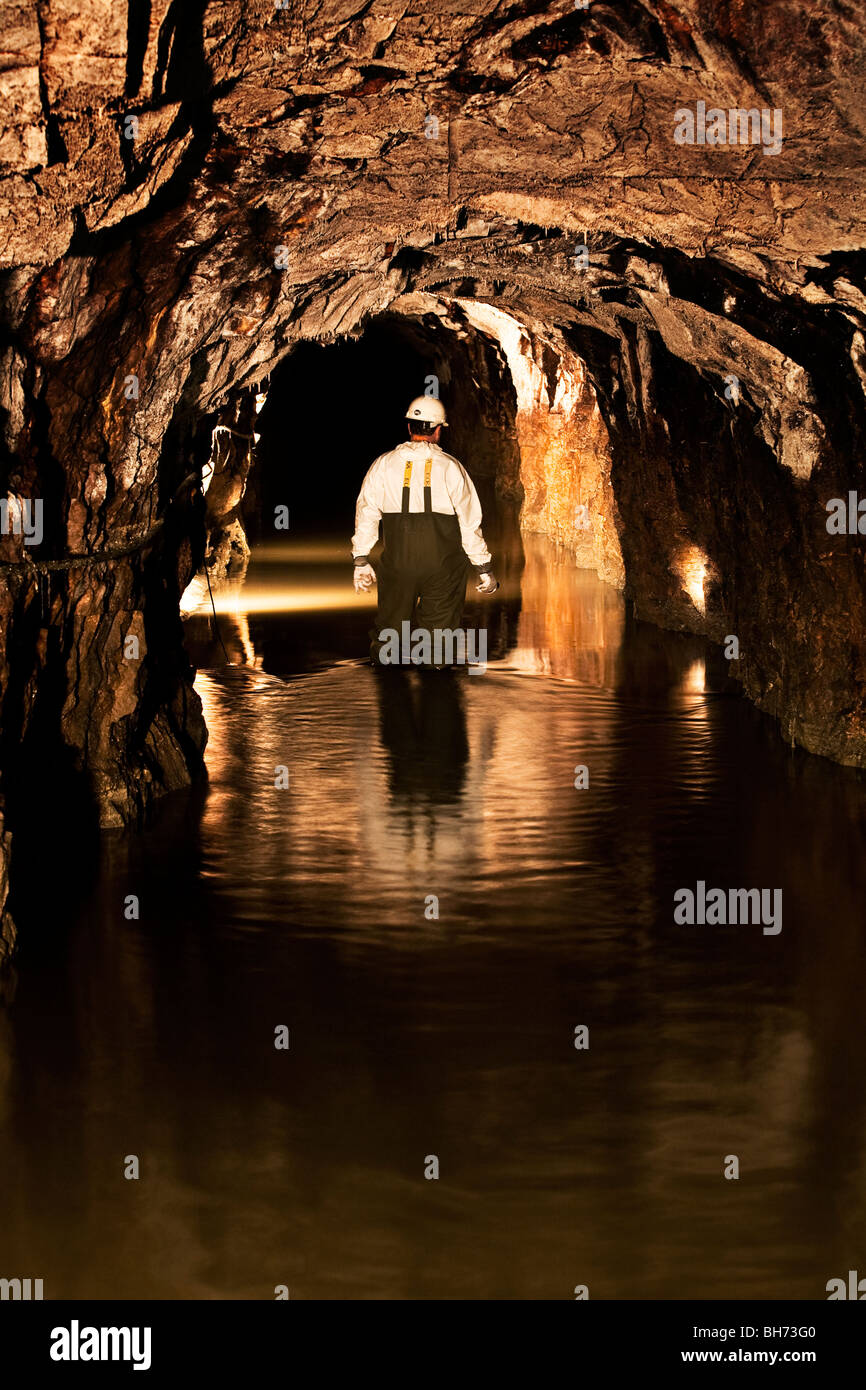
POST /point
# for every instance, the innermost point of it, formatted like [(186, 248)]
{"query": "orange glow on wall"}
[(692, 569)]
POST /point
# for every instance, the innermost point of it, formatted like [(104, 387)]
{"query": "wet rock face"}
[(564, 461), (668, 195)]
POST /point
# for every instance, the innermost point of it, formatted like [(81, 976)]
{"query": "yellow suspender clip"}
[(407, 473), (407, 480)]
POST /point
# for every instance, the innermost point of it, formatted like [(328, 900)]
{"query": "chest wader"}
[(422, 572)]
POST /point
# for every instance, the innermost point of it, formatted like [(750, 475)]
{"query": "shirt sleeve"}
[(368, 511), (464, 499)]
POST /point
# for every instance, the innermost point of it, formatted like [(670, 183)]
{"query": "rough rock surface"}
[(232, 449), (190, 188), (564, 462)]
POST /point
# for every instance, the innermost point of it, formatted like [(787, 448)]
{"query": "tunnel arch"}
[(342, 404), (523, 417), (611, 327), (685, 437)]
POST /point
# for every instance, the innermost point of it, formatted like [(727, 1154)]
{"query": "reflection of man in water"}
[(424, 734)]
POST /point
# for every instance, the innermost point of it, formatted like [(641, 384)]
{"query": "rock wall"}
[(565, 460)]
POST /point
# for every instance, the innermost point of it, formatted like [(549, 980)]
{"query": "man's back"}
[(387, 475), (451, 493)]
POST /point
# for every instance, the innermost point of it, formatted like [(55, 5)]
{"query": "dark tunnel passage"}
[(331, 409), (328, 411)]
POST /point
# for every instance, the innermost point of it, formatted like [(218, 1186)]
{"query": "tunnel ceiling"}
[(192, 188), (374, 149)]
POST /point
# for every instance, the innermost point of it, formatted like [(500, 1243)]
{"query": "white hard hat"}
[(429, 409)]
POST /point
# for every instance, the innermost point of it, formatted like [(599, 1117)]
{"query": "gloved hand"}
[(488, 583), (365, 578)]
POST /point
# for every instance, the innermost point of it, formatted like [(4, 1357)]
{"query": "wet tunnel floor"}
[(454, 1037)]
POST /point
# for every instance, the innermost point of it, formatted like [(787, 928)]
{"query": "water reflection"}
[(422, 727), (569, 624), (548, 617), (452, 1034)]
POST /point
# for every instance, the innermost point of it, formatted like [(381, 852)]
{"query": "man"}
[(431, 522)]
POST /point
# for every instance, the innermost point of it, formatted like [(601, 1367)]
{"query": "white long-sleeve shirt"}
[(452, 492)]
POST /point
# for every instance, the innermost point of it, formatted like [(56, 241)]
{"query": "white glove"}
[(489, 583), (365, 578)]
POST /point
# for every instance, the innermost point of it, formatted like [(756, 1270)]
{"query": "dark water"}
[(454, 1037)]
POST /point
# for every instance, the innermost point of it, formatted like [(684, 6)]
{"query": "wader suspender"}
[(407, 478)]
